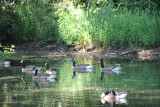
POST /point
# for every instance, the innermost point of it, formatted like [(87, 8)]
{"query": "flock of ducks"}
[(110, 96), (48, 75)]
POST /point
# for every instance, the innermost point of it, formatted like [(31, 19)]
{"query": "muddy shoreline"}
[(53, 50)]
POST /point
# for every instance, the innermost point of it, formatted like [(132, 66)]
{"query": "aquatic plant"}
[(6, 51)]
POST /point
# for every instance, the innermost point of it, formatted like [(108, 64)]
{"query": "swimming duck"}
[(81, 66), (111, 96), (49, 71), (42, 76), (5, 63), (109, 68), (107, 97), (28, 68), (116, 94), (120, 95)]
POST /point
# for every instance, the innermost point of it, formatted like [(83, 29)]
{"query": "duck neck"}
[(74, 63), (23, 65), (36, 72), (102, 64), (47, 66)]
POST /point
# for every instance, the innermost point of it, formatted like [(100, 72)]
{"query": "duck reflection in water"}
[(24, 81), (110, 97), (80, 71), (74, 74), (102, 75)]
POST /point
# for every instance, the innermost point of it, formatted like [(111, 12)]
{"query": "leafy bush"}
[(6, 51), (73, 24)]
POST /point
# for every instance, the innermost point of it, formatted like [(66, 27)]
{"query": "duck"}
[(49, 71), (107, 97), (120, 95), (42, 76), (81, 67), (116, 94), (109, 69), (5, 63), (28, 68), (111, 96)]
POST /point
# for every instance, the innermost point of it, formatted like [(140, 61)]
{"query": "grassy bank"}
[(67, 23)]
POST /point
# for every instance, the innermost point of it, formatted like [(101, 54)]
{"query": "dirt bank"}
[(63, 50)]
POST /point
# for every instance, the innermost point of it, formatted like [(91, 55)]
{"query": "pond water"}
[(139, 78)]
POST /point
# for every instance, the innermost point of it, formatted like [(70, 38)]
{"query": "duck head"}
[(107, 92), (112, 92)]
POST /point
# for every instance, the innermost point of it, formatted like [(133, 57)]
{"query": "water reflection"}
[(74, 74), (112, 102), (24, 81), (80, 71), (5, 64), (141, 79), (102, 76)]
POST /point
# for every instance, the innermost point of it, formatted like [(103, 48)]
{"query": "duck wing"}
[(108, 68), (83, 65), (87, 66), (83, 70), (30, 67), (121, 94)]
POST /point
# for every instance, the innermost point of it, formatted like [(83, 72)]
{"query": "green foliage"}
[(115, 23), (6, 51), (124, 28), (28, 21), (73, 24)]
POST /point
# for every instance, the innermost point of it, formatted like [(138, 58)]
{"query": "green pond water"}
[(140, 78)]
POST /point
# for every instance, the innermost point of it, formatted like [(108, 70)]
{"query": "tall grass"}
[(124, 28)]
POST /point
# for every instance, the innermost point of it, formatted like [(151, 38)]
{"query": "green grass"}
[(123, 28)]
